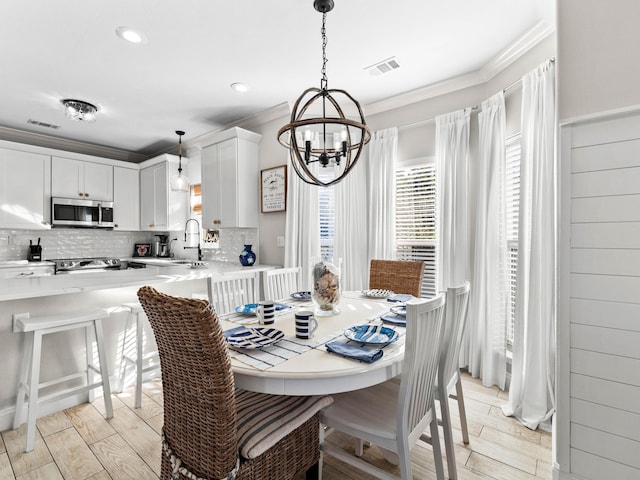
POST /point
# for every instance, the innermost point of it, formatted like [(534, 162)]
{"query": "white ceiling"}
[(179, 79)]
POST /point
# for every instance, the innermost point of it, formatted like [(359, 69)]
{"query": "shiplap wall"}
[(604, 299)]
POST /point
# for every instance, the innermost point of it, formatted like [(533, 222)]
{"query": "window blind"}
[(326, 200), (513, 204), (416, 220)]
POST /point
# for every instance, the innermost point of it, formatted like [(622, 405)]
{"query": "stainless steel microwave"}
[(75, 212)]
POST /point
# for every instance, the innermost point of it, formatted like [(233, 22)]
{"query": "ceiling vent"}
[(43, 124), (384, 66)]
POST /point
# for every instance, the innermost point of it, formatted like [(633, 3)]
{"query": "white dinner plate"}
[(301, 295), (399, 310), (371, 334), (252, 338), (252, 308), (377, 293)]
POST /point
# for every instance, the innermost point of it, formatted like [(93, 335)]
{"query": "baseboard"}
[(558, 475)]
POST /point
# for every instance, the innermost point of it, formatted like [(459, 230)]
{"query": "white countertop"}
[(33, 287)]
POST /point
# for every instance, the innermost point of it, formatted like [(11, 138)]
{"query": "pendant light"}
[(323, 130), (180, 182)]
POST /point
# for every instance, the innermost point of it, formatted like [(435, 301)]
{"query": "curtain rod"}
[(519, 81), (426, 121)]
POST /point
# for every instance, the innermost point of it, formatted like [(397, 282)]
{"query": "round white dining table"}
[(317, 371)]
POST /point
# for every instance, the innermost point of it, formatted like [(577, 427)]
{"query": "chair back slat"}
[(457, 300), (197, 382), (280, 283), (397, 275), (424, 320), (230, 290)]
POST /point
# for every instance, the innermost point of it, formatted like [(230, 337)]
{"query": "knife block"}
[(35, 253)]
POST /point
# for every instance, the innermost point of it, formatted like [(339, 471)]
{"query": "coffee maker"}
[(161, 246)]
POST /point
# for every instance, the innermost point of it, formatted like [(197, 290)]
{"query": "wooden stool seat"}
[(34, 328), (136, 312)]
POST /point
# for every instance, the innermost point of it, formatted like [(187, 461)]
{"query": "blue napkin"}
[(400, 297), (364, 354)]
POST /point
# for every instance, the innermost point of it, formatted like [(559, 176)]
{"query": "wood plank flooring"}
[(79, 444)]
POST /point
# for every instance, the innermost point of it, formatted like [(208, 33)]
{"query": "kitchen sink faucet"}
[(188, 235)]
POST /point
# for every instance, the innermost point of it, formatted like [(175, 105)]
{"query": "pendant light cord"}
[(324, 81)]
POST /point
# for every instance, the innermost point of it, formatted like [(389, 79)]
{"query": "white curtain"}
[(452, 206), (302, 231), (350, 242), (381, 187), (532, 394), (489, 301)]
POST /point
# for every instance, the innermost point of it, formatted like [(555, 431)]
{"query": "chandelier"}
[(323, 130), (179, 182), (79, 110)]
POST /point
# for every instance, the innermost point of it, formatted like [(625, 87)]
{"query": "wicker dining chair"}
[(397, 275), (211, 429)]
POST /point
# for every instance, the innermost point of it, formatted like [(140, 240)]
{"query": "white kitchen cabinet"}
[(230, 184), (161, 209), (25, 189), (71, 178), (126, 199)]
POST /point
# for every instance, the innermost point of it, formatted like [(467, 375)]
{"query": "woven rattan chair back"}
[(397, 276), (197, 382)]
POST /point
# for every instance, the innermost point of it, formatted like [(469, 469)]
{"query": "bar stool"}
[(35, 328), (135, 318)]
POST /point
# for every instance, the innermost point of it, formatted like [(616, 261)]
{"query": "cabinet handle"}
[(115, 225), (25, 274), (217, 222), (86, 194), (80, 194), (151, 225)]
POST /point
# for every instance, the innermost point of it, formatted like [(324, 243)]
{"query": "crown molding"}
[(478, 77), (48, 141)]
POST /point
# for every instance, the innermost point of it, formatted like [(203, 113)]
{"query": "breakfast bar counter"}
[(44, 286), (64, 352)]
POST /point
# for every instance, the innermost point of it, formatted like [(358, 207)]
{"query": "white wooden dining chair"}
[(280, 283), (457, 300), (393, 415), (227, 291)]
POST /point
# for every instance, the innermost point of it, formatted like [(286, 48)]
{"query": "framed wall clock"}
[(273, 189)]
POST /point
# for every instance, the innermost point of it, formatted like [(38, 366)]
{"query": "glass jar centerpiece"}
[(326, 292)]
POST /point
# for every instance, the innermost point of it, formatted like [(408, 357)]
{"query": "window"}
[(513, 204), (416, 220), (326, 199)]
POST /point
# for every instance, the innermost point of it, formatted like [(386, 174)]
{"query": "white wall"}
[(598, 69), (598, 330)]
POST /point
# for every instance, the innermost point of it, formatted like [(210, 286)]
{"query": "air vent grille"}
[(384, 66), (42, 124)]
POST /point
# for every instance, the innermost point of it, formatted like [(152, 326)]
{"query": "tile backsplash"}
[(87, 242)]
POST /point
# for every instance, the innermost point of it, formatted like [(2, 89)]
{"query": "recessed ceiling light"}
[(130, 35), (239, 87)]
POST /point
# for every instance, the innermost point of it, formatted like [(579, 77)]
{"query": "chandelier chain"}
[(324, 81)]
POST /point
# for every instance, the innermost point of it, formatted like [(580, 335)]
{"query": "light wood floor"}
[(79, 444)]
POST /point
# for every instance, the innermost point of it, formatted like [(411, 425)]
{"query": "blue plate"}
[(371, 334), (252, 308), (301, 295), (393, 319)]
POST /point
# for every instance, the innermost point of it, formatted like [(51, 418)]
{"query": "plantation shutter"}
[(513, 204), (416, 220)]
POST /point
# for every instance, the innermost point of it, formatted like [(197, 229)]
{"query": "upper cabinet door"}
[(25, 180), (230, 183), (98, 181), (126, 199), (79, 179)]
